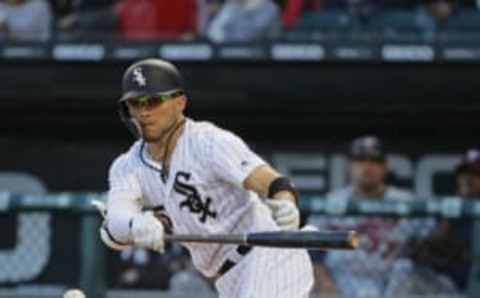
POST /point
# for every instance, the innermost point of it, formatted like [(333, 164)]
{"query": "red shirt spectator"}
[(294, 10), (156, 19)]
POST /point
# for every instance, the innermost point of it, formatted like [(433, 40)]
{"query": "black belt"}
[(228, 264)]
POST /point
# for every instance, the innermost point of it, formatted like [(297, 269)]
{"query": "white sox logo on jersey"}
[(193, 201), (138, 77)]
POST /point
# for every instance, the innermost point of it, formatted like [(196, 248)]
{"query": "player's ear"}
[(131, 110), (181, 102)]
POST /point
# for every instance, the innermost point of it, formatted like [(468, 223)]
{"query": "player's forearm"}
[(260, 180), (118, 227), (281, 196), (120, 212)]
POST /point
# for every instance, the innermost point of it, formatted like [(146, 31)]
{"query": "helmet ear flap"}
[(128, 120)]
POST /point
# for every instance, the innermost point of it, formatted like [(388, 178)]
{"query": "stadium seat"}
[(464, 21), (399, 20), (398, 25), (333, 20)]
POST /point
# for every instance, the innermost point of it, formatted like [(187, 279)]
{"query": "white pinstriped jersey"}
[(203, 193)]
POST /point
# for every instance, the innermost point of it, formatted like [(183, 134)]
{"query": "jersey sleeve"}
[(124, 199), (231, 159)]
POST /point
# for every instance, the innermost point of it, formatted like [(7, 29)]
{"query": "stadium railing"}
[(89, 253)]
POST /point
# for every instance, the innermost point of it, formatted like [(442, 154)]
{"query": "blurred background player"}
[(370, 270), (448, 250), (468, 175)]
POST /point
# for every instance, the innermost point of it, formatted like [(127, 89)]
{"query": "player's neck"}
[(370, 192), (162, 150)]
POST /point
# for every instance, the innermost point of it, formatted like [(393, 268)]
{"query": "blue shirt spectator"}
[(25, 19), (245, 20)]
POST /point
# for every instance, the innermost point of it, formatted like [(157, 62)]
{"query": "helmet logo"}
[(138, 77)]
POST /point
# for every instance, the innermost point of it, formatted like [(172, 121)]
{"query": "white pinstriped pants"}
[(268, 273)]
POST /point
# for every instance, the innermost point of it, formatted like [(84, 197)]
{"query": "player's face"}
[(157, 116), (367, 174), (468, 185)]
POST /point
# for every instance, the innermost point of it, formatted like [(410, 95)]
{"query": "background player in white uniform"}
[(373, 269), (207, 181)]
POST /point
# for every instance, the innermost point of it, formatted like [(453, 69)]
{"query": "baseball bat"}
[(284, 239)]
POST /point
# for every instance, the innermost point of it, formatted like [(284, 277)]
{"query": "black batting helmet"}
[(470, 163), (147, 77), (367, 148)]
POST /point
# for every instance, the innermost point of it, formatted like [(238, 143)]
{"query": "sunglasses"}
[(151, 101), (368, 158)]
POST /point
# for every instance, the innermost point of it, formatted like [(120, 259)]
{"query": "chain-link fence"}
[(407, 249)]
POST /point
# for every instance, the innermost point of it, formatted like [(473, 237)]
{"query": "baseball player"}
[(206, 180), (468, 175)]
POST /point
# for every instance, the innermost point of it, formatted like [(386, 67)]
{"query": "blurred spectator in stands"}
[(206, 11), (432, 16), (245, 20), (85, 5), (359, 12), (294, 9), (448, 250), (138, 20), (439, 9), (362, 11), (25, 20), (156, 19), (91, 22), (372, 269)]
